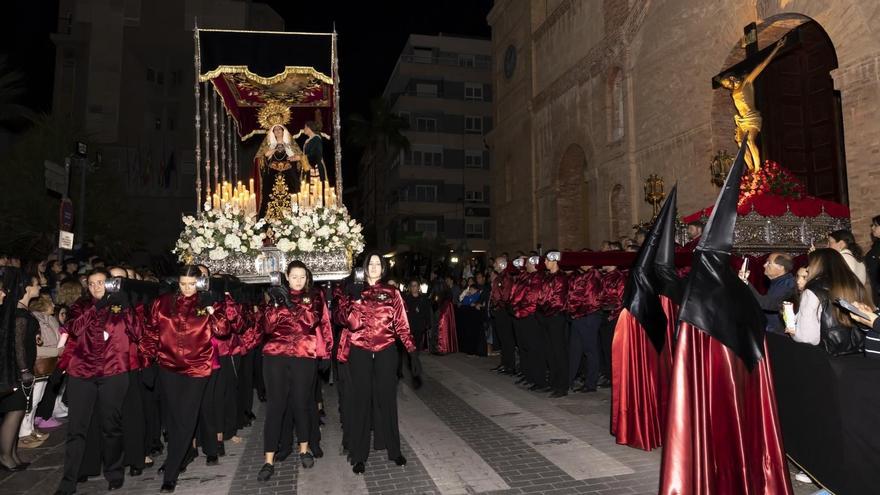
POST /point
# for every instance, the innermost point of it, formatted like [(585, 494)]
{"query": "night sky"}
[(367, 51)]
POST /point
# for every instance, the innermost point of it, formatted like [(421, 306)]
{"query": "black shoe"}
[(157, 451), (133, 471), (261, 397), (603, 382), (251, 416), (307, 460), (536, 388), (400, 460), (317, 451), (82, 479), (508, 371), (585, 389), (115, 484), (497, 368), (556, 395), (168, 487), (283, 455), (221, 449), (62, 492), (358, 468), (266, 472), (149, 464), (161, 469), (520, 381), (13, 469), (212, 460)]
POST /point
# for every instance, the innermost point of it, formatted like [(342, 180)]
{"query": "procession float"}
[(253, 218)]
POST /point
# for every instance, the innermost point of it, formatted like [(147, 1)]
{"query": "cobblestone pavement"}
[(466, 430)]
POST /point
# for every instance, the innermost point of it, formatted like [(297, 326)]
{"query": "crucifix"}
[(739, 80)]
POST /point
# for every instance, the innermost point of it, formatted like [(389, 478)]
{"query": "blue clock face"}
[(509, 61)]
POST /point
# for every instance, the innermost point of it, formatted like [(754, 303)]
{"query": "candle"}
[(251, 185)]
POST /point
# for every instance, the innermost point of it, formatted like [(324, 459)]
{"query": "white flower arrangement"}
[(322, 228), (219, 233)]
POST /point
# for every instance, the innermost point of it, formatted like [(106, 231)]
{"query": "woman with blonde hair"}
[(819, 320)]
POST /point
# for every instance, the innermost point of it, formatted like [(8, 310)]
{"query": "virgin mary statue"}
[(276, 162)]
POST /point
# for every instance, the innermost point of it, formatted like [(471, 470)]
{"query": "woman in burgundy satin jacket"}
[(102, 326), (297, 337), (375, 316), (178, 336)]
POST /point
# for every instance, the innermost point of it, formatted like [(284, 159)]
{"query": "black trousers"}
[(53, 386), (343, 389), (106, 395), (150, 398), (520, 325), (210, 415), (503, 323), (373, 383), (259, 382), (606, 336), (585, 341), (228, 395), (537, 355), (245, 388), (555, 331), (133, 422), (290, 385), (181, 397)]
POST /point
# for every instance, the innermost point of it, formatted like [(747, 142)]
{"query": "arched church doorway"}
[(571, 201), (802, 125)]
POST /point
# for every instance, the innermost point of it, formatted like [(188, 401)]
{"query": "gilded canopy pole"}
[(216, 154), (222, 146), (205, 98), (235, 149), (337, 128), (198, 123)]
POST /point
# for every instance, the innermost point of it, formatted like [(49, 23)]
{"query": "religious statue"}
[(748, 120), (277, 170)]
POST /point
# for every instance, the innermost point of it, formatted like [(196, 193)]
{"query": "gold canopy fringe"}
[(242, 69)]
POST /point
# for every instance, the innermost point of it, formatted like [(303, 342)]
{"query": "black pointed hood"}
[(641, 296), (715, 300), (671, 285)]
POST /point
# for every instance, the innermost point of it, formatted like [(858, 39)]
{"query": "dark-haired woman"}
[(845, 243), (178, 336), (828, 279), (102, 326), (376, 317), (18, 332), (297, 336)]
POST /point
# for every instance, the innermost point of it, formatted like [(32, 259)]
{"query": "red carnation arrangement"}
[(770, 179)]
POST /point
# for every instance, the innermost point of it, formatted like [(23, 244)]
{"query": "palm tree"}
[(381, 138), (12, 87)]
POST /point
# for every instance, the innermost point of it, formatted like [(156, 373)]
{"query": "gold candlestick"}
[(654, 192)]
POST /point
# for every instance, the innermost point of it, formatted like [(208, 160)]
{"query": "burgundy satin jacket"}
[(525, 292), (499, 298), (584, 293), (554, 293), (377, 319), (252, 335), (92, 355), (340, 302), (613, 284), (178, 333), (303, 330), (226, 346)]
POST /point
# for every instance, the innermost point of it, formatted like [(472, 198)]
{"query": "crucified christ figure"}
[(748, 122)]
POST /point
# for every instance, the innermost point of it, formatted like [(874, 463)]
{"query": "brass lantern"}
[(654, 192), (720, 167)]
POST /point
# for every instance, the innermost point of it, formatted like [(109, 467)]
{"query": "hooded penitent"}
[(722, 430), (641, 359)]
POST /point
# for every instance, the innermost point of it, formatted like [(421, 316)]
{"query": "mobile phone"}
[(745, 266), (843, 303), (359, 275)]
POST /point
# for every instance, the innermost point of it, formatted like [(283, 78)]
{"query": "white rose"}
[(306, 244), (284, 245), (323, 232), (232, 241)]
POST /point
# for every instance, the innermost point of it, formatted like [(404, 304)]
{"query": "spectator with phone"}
[(782, 287), (819, 320)]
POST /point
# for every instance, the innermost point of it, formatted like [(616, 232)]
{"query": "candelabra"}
[(720, 166)]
